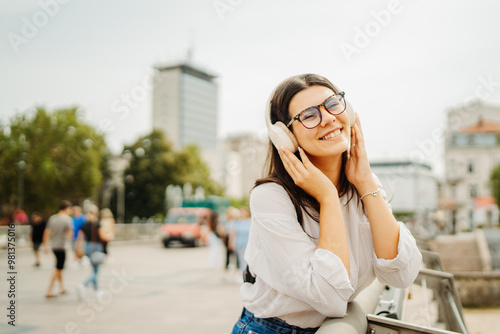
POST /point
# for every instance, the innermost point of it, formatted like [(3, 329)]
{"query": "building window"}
[(473, 191), (471, 167), (454, 191), (489, 217), (452, 168)]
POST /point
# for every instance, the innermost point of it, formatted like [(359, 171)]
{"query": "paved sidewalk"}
[(148, 289)]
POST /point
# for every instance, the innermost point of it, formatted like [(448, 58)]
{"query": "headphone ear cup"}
[(350, 113), (280, 135)]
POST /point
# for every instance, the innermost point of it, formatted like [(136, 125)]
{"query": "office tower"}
[(185, 105)]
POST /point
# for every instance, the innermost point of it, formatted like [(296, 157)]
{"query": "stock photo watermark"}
[(428, 147), (31, 26), (88, 309), (11, 276), (223, 7), (364, 36), (127, 102)]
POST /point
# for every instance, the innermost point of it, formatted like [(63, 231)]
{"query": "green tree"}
[(153, 166), (193, 170), (495, 184), (55, 154)]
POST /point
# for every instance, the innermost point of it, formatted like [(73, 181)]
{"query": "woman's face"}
[(330, 137)]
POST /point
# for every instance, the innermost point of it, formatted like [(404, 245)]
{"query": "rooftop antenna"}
[(190, 51)]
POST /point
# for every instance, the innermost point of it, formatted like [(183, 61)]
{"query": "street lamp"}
[(123, 163), (21, 165)]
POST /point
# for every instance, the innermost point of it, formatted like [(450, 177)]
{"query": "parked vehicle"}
[(189, 226)]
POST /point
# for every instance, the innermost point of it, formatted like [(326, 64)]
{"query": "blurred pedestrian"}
[(238, 238), (58, 232), (20, 217), (4, 221), (78, 221), (231, 215), (36, 234), (214, 240), (91, 235), (108, 227)]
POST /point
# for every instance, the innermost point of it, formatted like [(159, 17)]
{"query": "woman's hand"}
[(307, 176), (357, 169)]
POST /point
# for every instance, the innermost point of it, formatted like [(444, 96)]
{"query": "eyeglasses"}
[(311, 117)]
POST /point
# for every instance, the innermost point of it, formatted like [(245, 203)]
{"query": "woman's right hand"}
[(307, 176)]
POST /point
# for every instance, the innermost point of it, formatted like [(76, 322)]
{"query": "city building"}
[(185, 105), (472, 150), (411, 187), (239, 163), (185, 109)]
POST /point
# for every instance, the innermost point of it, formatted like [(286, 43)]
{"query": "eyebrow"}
[(317, 105)]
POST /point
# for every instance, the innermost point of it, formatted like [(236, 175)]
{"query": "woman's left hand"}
[(357, 169)]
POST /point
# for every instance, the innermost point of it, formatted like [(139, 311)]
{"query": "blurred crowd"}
[(80, 235), (230, 239)]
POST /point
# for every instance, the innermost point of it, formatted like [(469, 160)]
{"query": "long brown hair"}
[(276, 171)]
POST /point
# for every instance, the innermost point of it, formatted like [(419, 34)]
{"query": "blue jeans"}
[(89, 248), (249, 324)]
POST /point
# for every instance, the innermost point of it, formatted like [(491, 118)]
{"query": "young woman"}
[(322, 229), (92, 234)]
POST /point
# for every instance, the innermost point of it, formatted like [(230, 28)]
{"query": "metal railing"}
[(379, 309)]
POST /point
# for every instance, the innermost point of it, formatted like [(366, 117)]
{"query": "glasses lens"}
[(310, 117), (335, 104)]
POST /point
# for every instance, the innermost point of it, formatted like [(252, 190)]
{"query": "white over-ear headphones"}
[(280, 135)]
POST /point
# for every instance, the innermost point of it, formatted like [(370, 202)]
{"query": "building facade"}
[(185, 105), (472, 150), (185, 110), (239, 163), (411, 187)]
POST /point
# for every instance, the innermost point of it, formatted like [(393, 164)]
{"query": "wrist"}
[(366, 187), (330, 198)]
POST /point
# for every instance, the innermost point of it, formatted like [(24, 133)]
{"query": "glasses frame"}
[(297, 117)]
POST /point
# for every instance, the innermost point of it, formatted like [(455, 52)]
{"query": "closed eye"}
[(309, 114)]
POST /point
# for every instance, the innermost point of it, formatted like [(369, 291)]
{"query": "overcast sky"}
[(401, 63)]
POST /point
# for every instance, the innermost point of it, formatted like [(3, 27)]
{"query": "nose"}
[(326, 117)]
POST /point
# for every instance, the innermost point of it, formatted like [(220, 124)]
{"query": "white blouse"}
[(303, 285)]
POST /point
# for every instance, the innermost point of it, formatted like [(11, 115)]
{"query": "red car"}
[(188, 226)]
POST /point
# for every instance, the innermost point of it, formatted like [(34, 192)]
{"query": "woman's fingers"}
[(290, 167), (294, 161), (305, 160)]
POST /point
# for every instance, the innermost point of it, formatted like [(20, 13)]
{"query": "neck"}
[(330, 166)]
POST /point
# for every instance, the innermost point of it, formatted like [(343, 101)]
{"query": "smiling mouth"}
[(331, 134)]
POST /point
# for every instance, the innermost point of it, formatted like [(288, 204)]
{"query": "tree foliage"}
[(153, 166), (56, 154), (495, 184)]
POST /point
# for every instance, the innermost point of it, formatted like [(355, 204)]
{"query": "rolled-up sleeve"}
[(401, 271), (287, 259)]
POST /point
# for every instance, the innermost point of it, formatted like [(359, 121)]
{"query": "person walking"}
[(238, 238), (232, 214), (58, 233), (36, 234), (91, 234), (78, 221), (108, 227), (214, 240)]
